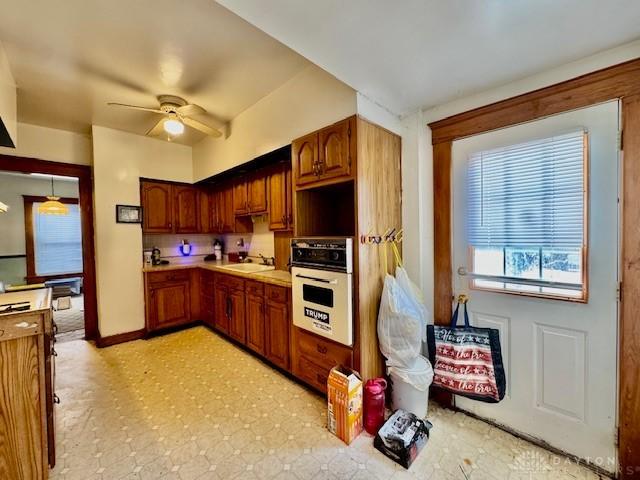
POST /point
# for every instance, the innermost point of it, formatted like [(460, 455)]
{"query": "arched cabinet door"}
[(335, 150), (157, 207), (305, 159)]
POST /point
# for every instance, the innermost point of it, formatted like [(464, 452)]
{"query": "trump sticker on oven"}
[(320, 320)]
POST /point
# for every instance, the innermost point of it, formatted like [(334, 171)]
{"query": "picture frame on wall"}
[(128, 214)]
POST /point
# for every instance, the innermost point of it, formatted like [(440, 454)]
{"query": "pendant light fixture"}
[(53, 206)]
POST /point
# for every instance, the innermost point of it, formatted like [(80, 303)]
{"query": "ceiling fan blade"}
[(157, 129), (201, 127), (191, 109), (136, 107)]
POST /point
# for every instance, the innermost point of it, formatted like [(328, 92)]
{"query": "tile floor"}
[(190, 405)]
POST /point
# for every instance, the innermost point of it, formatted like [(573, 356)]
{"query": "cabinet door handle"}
[(284, 219), (229, 310), (56, 399), (321, 349), (54, 326), (53, 352)]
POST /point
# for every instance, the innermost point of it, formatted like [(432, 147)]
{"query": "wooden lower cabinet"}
[(255, 321), (237, 329), (207, 297), (312, 357), (27, 398), (169, 301), (170, 304), (277, 321), (221, 318)]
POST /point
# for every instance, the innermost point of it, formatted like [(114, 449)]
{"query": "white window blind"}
[(57, 242), (530, 194)]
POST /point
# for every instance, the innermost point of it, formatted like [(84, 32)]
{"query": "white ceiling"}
[(410, 54), (69, 58)]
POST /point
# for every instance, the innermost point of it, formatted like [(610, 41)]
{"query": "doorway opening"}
[(47, 241)]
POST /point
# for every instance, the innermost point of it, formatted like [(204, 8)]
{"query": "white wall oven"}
[(322, 282)]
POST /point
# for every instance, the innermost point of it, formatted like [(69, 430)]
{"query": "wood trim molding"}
[(606, 84), (102, 342), (629, 356), (84, 173), (617, 82)]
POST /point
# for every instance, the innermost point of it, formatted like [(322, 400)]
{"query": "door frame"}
[(618, 82), (84, 173)]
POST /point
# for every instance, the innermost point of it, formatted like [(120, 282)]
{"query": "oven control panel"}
[(323, 253)]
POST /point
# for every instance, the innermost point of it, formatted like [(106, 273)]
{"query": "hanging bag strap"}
[(462, 299)]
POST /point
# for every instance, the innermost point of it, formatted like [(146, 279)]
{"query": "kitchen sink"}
[(248, 267)]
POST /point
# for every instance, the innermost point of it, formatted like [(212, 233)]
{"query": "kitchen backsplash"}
[(259, 242), (168, 243)]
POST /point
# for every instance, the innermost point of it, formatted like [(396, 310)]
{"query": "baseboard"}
[(102, 342)]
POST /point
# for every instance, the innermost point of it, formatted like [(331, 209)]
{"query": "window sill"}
[(544, 296)]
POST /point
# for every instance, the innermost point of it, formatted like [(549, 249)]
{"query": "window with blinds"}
[(526, 216), (57, 242)]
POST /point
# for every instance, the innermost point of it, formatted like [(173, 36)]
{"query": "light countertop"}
[(275, 277), (39, 299)]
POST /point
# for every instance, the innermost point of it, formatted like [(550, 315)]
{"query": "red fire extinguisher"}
[(374, 404)]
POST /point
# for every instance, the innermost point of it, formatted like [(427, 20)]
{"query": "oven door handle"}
[(315, 279)]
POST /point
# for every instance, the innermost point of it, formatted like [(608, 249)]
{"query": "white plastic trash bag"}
[(400, 325), (415, 296)]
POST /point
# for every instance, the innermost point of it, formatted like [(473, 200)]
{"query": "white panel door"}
[(560, 356)]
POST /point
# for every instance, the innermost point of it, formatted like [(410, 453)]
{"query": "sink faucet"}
[(267, 260)]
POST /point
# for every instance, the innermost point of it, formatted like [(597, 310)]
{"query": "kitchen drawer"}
[(321, 351), (277, 294), (255, 288), (313, 374), (18, 326), (168, 276), (231, 282)]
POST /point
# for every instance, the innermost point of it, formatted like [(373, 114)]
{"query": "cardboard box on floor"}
[(344, 403)]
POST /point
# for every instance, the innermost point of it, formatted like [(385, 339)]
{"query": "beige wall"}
[(8, 114), (119, 160), (51, 144), (310, 100)]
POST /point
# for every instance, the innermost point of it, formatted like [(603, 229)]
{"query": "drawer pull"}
[(26, 325), (56, 399), (321, 349)]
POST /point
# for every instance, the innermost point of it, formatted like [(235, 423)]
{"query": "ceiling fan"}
[(176, 114)]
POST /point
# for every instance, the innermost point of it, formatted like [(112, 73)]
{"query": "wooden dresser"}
[(26, 386)]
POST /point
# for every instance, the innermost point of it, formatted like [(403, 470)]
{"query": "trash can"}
[(410, 387)]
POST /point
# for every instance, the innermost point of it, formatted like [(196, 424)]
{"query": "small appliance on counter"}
[(322, 286), (147, 257), (217, 250), (155, 256), (185, 248)]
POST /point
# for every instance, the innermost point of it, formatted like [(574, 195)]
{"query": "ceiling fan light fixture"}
[(173, 127)]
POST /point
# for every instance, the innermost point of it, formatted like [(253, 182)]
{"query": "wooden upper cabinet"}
[(279, 199), (334, 156), (240, 197), (305, 159), (257, 193), (205, 212), (156, 199), (324, 156), (186, 209), (227, 211)]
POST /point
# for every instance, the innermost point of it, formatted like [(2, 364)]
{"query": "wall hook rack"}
[(392, 235)]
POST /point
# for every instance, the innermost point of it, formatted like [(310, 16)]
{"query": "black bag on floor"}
[(402, 437)]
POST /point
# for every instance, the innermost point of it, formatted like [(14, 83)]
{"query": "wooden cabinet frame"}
[(617, 82)]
